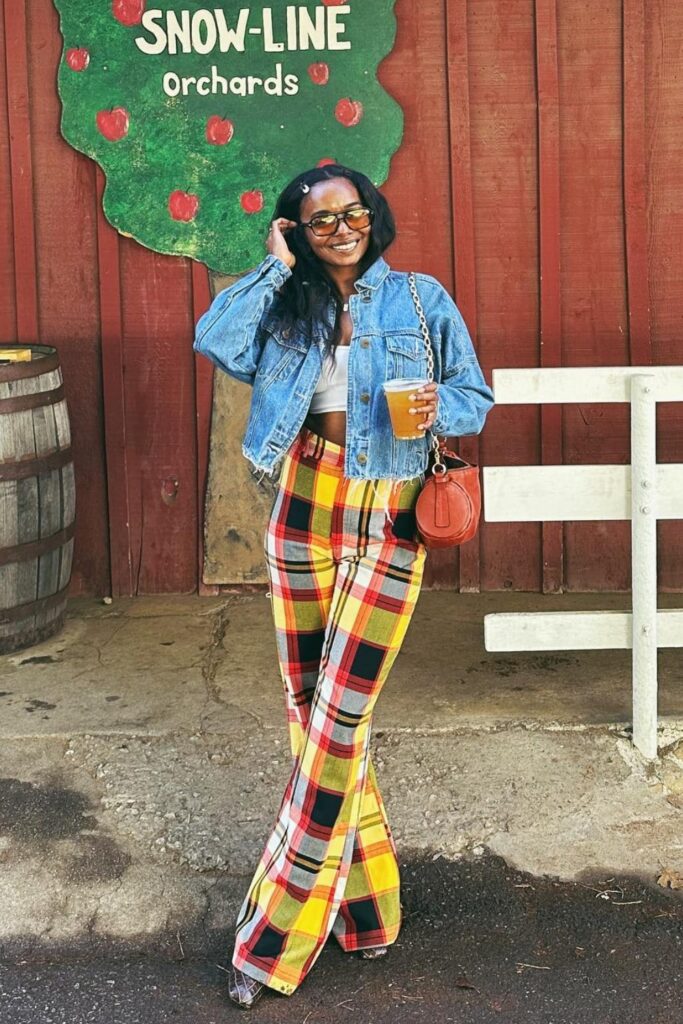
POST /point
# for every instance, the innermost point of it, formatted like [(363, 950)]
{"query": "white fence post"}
[(644, 562), (643, 492)]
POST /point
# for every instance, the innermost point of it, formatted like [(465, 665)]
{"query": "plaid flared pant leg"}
[(345, 573)]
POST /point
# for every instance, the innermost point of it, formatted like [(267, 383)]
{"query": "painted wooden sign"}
[(199, 116)]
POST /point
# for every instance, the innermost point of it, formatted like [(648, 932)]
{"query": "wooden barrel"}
[(37, 498)]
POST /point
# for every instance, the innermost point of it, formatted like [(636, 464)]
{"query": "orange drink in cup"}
[(398, 394)]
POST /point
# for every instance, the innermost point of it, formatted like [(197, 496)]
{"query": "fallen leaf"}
[(670, 879)]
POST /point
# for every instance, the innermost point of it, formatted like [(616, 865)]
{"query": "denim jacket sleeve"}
[(229, 332), (464, 396)]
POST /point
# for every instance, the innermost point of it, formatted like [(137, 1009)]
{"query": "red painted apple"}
[(77, 58), (183, 205), (113, 124), (319, 73), (325, 162), (219, 130), (252, 202), (348, 112), (128, 12)]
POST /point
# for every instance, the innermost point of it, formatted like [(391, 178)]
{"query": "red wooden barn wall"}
[(540, 180)]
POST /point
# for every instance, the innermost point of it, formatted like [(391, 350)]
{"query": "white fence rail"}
[(642, 492)]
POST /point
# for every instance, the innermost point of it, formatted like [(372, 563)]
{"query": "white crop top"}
[(330, 392)]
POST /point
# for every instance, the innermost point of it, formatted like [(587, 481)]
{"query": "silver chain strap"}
[(429, 352)]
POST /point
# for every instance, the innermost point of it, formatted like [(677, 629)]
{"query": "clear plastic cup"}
[(398, 394)]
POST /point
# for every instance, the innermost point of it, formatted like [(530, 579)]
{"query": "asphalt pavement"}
[(481, 943)]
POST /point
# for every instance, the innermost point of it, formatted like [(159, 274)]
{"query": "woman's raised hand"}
[(276, 243)]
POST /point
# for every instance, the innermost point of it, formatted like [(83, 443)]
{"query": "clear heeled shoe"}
[(242, 989), (372, 952)]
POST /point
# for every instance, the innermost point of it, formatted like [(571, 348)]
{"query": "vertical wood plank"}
[(203, 371), (161, 445), (594, 308), (67, 287), (120, 553), (636, 202), (9, 536), (503, 140), (419, 185), (21, 164), (547, 77), (463, 231), (664, 169), (28, 528), (635, 183), (8, 324)]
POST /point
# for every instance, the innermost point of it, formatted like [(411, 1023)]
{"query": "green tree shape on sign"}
[(193, 165)]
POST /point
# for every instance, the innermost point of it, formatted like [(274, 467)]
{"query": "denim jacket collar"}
[(374, 275)]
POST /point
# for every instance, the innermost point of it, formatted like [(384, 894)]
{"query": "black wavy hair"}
[(307, 292)]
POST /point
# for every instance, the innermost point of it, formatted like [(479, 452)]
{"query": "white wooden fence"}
[(642, 492)]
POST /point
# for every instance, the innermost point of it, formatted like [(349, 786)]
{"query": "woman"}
[(317, 328)]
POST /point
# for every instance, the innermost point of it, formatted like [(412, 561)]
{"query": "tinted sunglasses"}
[(328, 223)]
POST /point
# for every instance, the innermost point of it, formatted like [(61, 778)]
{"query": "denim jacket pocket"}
[(406, 355), (282, 353), (283, 333)]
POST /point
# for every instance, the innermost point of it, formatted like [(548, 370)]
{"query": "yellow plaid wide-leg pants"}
[(345, 570)]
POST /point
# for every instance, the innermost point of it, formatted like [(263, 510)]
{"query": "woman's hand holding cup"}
[(276, 243), (428, 398)]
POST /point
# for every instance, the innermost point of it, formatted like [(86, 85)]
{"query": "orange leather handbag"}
[(449, 505)]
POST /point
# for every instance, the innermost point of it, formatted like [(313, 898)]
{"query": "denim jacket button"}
[(362, 458), (365, 398), (365, 343)]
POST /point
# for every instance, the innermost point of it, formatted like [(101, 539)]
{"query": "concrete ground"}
[(144, 753)]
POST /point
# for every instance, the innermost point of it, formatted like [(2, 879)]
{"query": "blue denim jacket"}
[(246, 334)]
